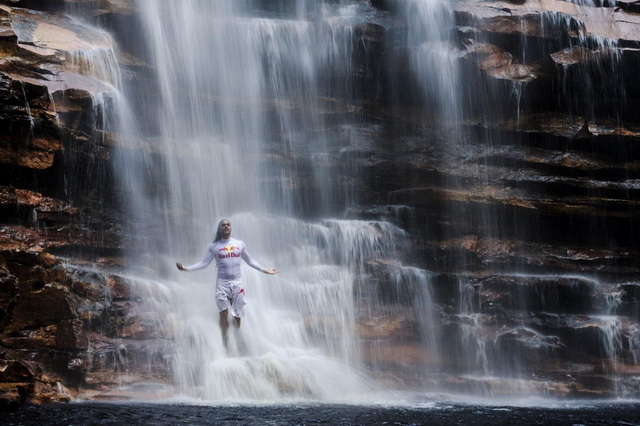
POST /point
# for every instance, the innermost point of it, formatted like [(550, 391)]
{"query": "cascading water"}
[(232, 83)]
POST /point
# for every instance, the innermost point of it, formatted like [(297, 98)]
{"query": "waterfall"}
[(229, 85), (246, 113)]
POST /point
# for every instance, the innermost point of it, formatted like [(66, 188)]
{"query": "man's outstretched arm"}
[(255, 265), (206, 260)]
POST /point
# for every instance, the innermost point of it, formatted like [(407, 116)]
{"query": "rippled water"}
[(605, 413)]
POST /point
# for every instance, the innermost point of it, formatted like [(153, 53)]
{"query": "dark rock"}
[(629, 6), (12, 396), (384, 4), (572, 55), (18, 371), (569, 295), (393, 323), (120, 288), (523, 346), (43, 307)]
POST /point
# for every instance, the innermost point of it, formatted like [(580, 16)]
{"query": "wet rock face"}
[(53, 157), (524, 205), (528, 209), (79, 326)]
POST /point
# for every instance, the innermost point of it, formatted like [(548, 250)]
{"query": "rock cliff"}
[(57, 199)]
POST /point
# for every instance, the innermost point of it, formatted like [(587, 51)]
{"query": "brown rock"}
[(396, 354), (12, 395), (515, 72), (100, 342), (48, 259), (572, 55), (87, 289), (32, 141), (119, 287), (71, 336), (43, 307), (388, 325), (14, 239), (497, 63), (8, 290), (41, 338), (527, 19), (25, 158), (18, 371), (22, 380), (49, 392), (134, 331), (103, 378)]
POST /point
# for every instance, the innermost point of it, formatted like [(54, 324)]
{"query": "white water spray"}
[(229, 83)]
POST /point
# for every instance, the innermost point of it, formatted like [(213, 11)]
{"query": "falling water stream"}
[(228, 84)]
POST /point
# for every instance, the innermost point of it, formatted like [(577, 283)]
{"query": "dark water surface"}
[(318, 414)]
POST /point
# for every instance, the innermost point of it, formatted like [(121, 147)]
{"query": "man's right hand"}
[(181, 266)]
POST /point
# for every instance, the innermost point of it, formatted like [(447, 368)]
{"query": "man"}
[(228, 253)]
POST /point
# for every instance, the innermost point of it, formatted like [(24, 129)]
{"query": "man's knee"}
[(236, 322), (224, 316)]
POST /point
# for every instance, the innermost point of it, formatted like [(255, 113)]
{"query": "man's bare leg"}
[(240, 344), (224, 325)]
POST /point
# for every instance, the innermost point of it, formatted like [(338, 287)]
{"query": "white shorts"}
[(230, 294)]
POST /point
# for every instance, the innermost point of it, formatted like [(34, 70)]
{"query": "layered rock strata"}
[(524, 205), (59, 322)]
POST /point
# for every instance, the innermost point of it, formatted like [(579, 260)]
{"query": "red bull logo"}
[(230, 252)]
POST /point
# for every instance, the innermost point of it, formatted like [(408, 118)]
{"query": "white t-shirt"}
[(228, 255)]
